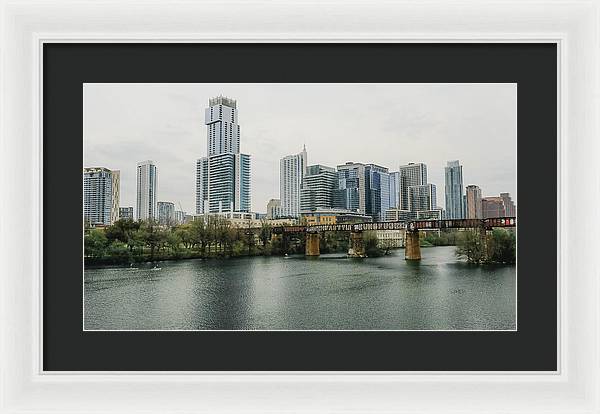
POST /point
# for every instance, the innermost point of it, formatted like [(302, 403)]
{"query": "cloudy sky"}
[(385, 124)]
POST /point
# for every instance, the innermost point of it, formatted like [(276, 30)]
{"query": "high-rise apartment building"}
[(317, 188), (179, 216), (223, 131), (223, 176), (100, 195), (422, 197), (474, 202), (291, 173), (454, 191), (126, 213), (147, 183), (166, 213), (410, 175)]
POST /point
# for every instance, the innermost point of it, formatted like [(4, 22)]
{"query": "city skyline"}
[(166, 124)]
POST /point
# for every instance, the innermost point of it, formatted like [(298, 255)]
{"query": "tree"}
[(470, 245), (153, 236), (124, 230), (371, 244), (95, 244), (502, 246)]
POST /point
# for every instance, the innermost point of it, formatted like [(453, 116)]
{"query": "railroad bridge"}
[(411, 228)]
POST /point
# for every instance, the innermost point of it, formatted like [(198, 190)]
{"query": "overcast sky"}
[(385, 124)]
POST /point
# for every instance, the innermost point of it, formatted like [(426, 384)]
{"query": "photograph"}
[(299, 207)]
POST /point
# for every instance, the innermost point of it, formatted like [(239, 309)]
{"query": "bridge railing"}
[(401, 225)]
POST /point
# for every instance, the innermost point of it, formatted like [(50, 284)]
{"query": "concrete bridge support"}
[(312, 244), (412, 250), (357, 245)]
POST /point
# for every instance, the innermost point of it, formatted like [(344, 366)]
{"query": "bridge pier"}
[(313, 241), (357, 245), (412, 249)]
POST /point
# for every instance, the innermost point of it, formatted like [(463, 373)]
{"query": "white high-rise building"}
[(292, 169), (410, 175), (223, 131), (147, 184), (100, 195), (223, 176)]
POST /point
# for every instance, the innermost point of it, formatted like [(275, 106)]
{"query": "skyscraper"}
[(223, 176), (273, 208), (147, 183), (395, 189), (378, 190), (351, 191), (422, 197), (317, 188), (291, 172), (474, 202), (409, 175), (100, 195), (223, 131), (454, 191)]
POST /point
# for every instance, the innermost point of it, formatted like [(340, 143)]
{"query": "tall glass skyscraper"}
[(100, 195), (454, 191), (147, 183), (292, 169), (223, 176), (422, 197), (364, 188)]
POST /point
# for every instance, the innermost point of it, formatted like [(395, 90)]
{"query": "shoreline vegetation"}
[(126, 242)]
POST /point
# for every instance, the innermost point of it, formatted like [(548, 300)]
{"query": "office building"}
[(166, 213), (378, 190), (223, 176), (291, 173), (317, 188), (473, 196), (350, 192), (396, 214), (422, 197), (147, 185), (126, 213), (454, 191), (100, 196)]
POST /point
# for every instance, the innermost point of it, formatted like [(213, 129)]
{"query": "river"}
[(329, 292)]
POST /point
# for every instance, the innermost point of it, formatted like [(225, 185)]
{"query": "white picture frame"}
[(573, 25)]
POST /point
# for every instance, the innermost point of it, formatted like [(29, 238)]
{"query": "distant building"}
[(454, 191), (291, 173), (334, 216), (395, 189), (166, 213), (179, 217), (422, 197), (509, 206), (474, 202), (501, 206), (317, 188), (397, 214), (435, 214), (409, 175), (364, 188), (223, 176), (126, 213), (147, 183), (274, 209), (100, 195)]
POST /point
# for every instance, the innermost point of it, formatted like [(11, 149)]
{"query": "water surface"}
[(329, 292)]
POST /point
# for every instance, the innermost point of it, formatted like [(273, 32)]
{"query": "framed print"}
[(211, 201)]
